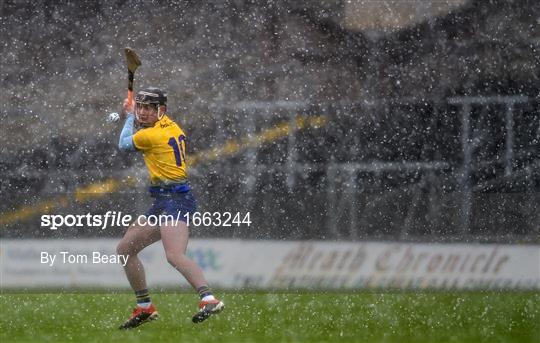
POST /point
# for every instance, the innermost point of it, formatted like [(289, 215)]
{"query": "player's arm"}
[(125, 142), (126, 136)]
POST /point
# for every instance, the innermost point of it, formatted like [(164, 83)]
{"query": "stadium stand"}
[(388, 162)]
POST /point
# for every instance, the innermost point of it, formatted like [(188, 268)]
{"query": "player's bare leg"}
[(136, 239), (175, 239)]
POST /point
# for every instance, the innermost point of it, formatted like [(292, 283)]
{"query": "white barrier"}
[(278, 265)]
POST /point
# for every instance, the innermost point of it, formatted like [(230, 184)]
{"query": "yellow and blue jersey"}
[(164, 150)]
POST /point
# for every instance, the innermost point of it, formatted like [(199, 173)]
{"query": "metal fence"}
[(458, 169), (463, 169)]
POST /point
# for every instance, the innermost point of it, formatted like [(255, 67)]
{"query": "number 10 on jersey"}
[(179, 148)]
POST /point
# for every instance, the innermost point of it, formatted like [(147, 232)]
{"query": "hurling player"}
[(163, 145)]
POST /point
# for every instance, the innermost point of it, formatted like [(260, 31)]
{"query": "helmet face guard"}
[(151, 96)]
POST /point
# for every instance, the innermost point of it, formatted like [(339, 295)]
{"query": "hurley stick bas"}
[(133, 62)]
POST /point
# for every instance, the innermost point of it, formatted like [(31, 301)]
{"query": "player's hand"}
[(127, 107)]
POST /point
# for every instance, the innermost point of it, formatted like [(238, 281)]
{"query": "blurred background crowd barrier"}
[(336, 120)]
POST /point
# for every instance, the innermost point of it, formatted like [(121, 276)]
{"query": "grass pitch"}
[(278, 317)]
